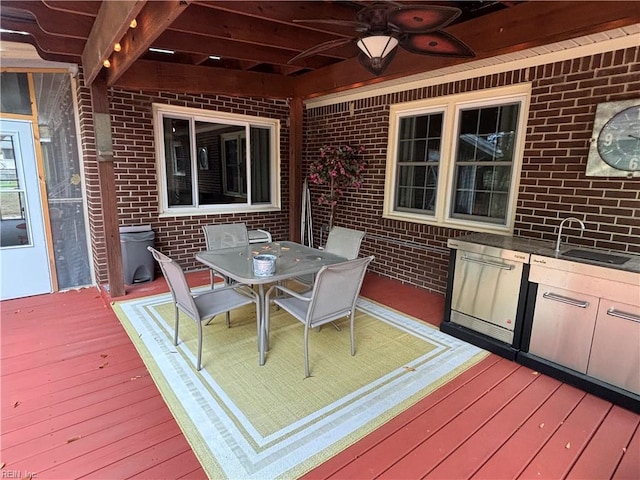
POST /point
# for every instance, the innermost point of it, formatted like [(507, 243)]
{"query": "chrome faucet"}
[(568, 219)]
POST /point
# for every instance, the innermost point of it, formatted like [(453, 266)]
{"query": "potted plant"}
[(339, 168)]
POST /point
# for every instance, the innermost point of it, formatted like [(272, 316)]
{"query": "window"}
[(455, 161), (206, 163)]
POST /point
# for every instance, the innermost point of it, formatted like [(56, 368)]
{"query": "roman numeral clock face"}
[(615, 140), (619, 140)]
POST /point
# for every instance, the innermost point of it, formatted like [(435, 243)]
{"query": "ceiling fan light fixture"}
[(377, 46), (377, 52)]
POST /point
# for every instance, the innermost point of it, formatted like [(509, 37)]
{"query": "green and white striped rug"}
[(245, 421)]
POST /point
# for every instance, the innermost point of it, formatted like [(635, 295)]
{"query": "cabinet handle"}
[(567, 300), (626, 316), (502, 266)]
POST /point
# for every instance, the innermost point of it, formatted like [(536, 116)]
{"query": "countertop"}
[(547, 249)]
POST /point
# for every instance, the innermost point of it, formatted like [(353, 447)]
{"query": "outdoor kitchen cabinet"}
[(615, 350), (594, 336), (582, 326), (563, 325)]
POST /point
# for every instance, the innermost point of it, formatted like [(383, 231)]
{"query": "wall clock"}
[(615, 141)]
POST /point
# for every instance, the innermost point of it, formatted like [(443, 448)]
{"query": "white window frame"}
[(450, 106), (239, 138), (196, 114)]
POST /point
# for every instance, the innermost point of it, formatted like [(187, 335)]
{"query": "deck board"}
[(26, 428), (94, 402), (607, 447), (459, 428), (115, 451), (182, 465), (558, 455), (629, 467), (32, 398), (133, 465), (522, 447), (463, 461), (395, 447), (366, 447), (90, 434), (62, 416)]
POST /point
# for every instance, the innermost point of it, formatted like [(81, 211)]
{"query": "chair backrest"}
[(336, 289), (177, 282), (226, 235), (344, 242)]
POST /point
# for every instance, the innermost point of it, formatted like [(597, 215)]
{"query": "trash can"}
[(137, 261)]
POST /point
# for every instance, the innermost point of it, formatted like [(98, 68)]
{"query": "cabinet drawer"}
[(615, 352), (563, 325)]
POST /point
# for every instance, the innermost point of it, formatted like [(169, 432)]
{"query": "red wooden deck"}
[(77, 402)]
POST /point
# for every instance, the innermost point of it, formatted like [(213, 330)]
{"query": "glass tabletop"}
[(292, 260)]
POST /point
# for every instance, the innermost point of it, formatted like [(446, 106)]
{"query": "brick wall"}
[(91, 179), (553, 182), (136, 180)]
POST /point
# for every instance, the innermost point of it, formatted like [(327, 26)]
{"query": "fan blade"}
[(321, 48), (358, 26), (436, 43), (421, 19)]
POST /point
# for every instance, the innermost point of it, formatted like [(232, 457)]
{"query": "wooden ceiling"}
[(256, 39)]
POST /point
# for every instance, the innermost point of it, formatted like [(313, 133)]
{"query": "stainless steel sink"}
[(599, 257)]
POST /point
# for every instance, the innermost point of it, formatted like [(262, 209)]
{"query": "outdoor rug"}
[(245, 421)]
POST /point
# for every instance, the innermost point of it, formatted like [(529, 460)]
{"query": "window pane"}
[(177, 147), (14, 225), (484, 162), (260, 165), (14, 93), (8, 167), (417, 188), (15, 228), (418, 157), (406, 127), (234, 163), (487, 134), (210, 164)]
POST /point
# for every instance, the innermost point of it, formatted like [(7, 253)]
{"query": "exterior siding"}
[(553, 184)]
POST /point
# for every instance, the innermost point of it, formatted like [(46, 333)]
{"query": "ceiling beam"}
[(52, 57), (51, 21), (287, 11), (152, 21), (200, 44), (171, 77), (90, 9), (110, 25), (52, 43), (231, 26), (522, 26)]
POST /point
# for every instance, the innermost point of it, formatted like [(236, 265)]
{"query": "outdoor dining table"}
[(292, 260)]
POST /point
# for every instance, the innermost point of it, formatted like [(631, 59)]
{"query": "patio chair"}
[(340, 241), (260, 236), (225, 235), (344, 242), (204, 306), (334, 296)]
